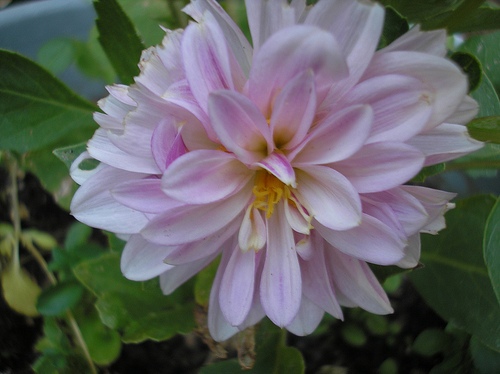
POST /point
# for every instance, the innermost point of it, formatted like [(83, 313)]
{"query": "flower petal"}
[(204, 176), (144, 195), (316, 282), (445, 142), (142, 260), (337, 137), (193, 251), (166, 144), (329, 197), (293, 111), (237, 286), (372, 241), (93, 204), (239, 44), (240, 126), (278, 165), (266, 17), (381, 166), (356, 25), (307, 319), (252, 233), (219, 327), (209, 63), (356, 281), (432, 42), (401, 106), (290, 52), (186, 224), (444, 78), (281, 286), (177, 275), (101, 148), (412, 253)]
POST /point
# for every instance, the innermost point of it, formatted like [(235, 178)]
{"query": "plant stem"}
[(16, 221)]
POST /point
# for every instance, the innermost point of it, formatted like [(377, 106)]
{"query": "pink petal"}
[(432, 42), (194, 251), (209, 63), (465, 113), (239, 44), (81, 175), (446, 81), (329, 197), (307, 319), (372, 241), (290, 52), (142, 260), (278, 165), (93, 204), (167, 144), (316, 281), (281, 286), (298, 220), (192, 223), (445, 142), (293, 111), (237, 286), (267, 17), (101, 148), (252, 234), (381, 166), (412, 253), (240, 126), (220, 329), (356, 281), (336, 137), (144, 195), (177, 275), (356, 25), (204, 176), (401, 106)]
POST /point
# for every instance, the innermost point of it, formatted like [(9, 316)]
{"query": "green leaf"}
[(429, 171), (486, 129), (384, 272), (77, 235), (19, 290), (36, 109), (417, 11), (70, 153), (485, 48), (118, 39), (430, 342), (55, 300), (491, 248), (394, 26), (138, 310), (484, 18), (104, 344), (147, 15), (56, 55), (454, 280), (91, 59), (471, 67), (486, 360)]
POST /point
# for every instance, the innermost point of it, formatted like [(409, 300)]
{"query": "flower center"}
[(268, 191)]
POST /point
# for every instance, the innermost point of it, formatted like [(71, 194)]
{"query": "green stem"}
[(16, 221), (461, 13)]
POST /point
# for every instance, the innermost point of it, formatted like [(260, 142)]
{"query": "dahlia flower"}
[(288, 158)]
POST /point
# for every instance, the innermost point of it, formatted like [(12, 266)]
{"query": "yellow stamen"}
[(268, 191)]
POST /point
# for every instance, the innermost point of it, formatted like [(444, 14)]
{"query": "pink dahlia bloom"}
[(287, 159)]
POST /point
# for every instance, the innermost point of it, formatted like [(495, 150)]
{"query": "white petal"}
[(142, 260)]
